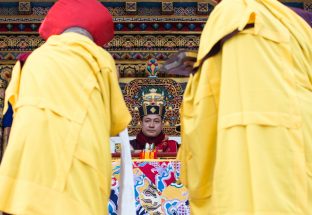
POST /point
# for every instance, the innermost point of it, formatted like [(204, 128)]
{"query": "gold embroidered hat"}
[(153, 103)]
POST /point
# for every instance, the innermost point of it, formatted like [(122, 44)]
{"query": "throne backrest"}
[(172, 91)]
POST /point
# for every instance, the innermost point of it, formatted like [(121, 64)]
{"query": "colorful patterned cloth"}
[(157, 190)]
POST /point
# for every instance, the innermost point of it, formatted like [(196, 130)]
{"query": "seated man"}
[(151, 136)]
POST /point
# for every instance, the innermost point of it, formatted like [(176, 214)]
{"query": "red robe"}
[(162, 143)]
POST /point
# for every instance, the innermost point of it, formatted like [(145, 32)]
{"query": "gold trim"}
[(135, 62), (167, 17), (19, 16), (208, 1), (7, 62), (156, 32), (186, 18), (19, 33), (147, 51), (117, 32), (177, 79)]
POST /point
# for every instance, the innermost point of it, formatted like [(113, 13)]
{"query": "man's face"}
[(151, 125)]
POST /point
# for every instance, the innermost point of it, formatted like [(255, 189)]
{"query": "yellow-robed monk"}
[(246, 114), (67, 103)]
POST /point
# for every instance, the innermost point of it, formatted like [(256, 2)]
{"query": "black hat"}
[(152, 109)]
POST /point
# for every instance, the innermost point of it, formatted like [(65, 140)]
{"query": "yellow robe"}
[(67, 103), (247, 114)]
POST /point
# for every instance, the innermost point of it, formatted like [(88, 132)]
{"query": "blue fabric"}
[(8, 117)]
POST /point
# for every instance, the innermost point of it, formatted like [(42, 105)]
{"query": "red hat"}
[(88, 14)]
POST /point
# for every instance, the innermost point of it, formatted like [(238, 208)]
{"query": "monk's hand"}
[(216, 1), (180, 63)]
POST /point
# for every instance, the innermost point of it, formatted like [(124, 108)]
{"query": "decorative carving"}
[(202, 8), (131, 8), (152, 68), (171, 92), (157, 42), (5, 76), (20, 42), (308, 6), (167, 8), (24, 7)]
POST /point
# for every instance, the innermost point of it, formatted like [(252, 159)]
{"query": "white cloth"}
[(126, 200)]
